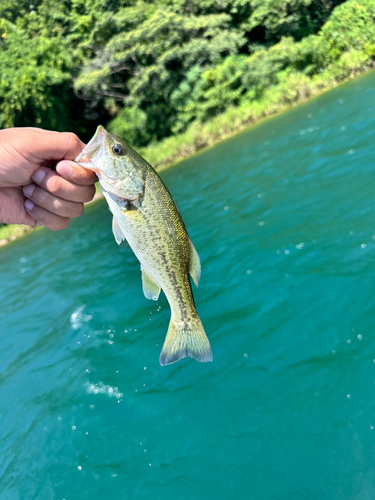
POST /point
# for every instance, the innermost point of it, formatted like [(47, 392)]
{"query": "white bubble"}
[(343, 127), (59, 419), (77, 319), (351, 232), (309, 115), (349, 341), (300, 245), (333, 352), (260, 195), (86, 433), (114, 475), (351, 151), (226, 208), (103, 389), (145, 368), (111, 335), (372, 427), (149, 465), (74, 427), (348, 396), (261, 223), (144, 451), (79, 467), (248, 271), (287, 252), (363, 245), (110, 342), (359, 337), (23, 260), (245, 355)]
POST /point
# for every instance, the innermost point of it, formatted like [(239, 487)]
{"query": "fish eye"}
[(117, 149)]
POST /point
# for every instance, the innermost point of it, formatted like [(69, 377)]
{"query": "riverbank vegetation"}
[(153, 70), (173, 76)]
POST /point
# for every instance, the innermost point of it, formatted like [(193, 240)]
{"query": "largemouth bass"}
[(145, 214)]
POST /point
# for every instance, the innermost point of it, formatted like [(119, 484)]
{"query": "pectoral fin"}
[(134, 214), (150, 288), (195, 264), (117, 231)]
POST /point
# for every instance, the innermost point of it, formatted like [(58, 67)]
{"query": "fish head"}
[(107, 155)]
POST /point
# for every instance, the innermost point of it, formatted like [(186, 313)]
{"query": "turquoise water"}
[(283, 217)]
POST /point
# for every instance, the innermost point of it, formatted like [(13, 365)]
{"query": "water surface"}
[(283, 218)]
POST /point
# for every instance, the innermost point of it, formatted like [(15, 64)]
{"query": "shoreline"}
[(277, 99), (198, 137)]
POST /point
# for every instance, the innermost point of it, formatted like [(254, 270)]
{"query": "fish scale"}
[(145, 214)]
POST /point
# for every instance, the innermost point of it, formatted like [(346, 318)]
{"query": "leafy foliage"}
[(150, 69)]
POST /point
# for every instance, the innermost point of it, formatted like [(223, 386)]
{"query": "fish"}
[(147, 217)]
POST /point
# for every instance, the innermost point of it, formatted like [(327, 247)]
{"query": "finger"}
[(45, 218), (62, 188), (44, 144), (52, 203), (73, 172), (50, 145)]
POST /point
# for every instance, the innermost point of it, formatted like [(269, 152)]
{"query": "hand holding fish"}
[(30, 191)]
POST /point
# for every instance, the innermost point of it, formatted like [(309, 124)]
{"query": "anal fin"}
[(150, 288)]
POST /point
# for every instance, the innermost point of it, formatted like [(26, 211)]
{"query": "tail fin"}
[(186, 340)]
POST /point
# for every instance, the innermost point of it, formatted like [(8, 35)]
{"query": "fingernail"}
[(28, 190), (65, 169), (38, 176), (29, 204)]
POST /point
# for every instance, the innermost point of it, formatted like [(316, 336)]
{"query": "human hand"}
[(30, 192)]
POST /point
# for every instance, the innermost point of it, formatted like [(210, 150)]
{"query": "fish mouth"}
[(84, 159)]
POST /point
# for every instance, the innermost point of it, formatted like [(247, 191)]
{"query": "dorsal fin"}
[(195, 264)]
